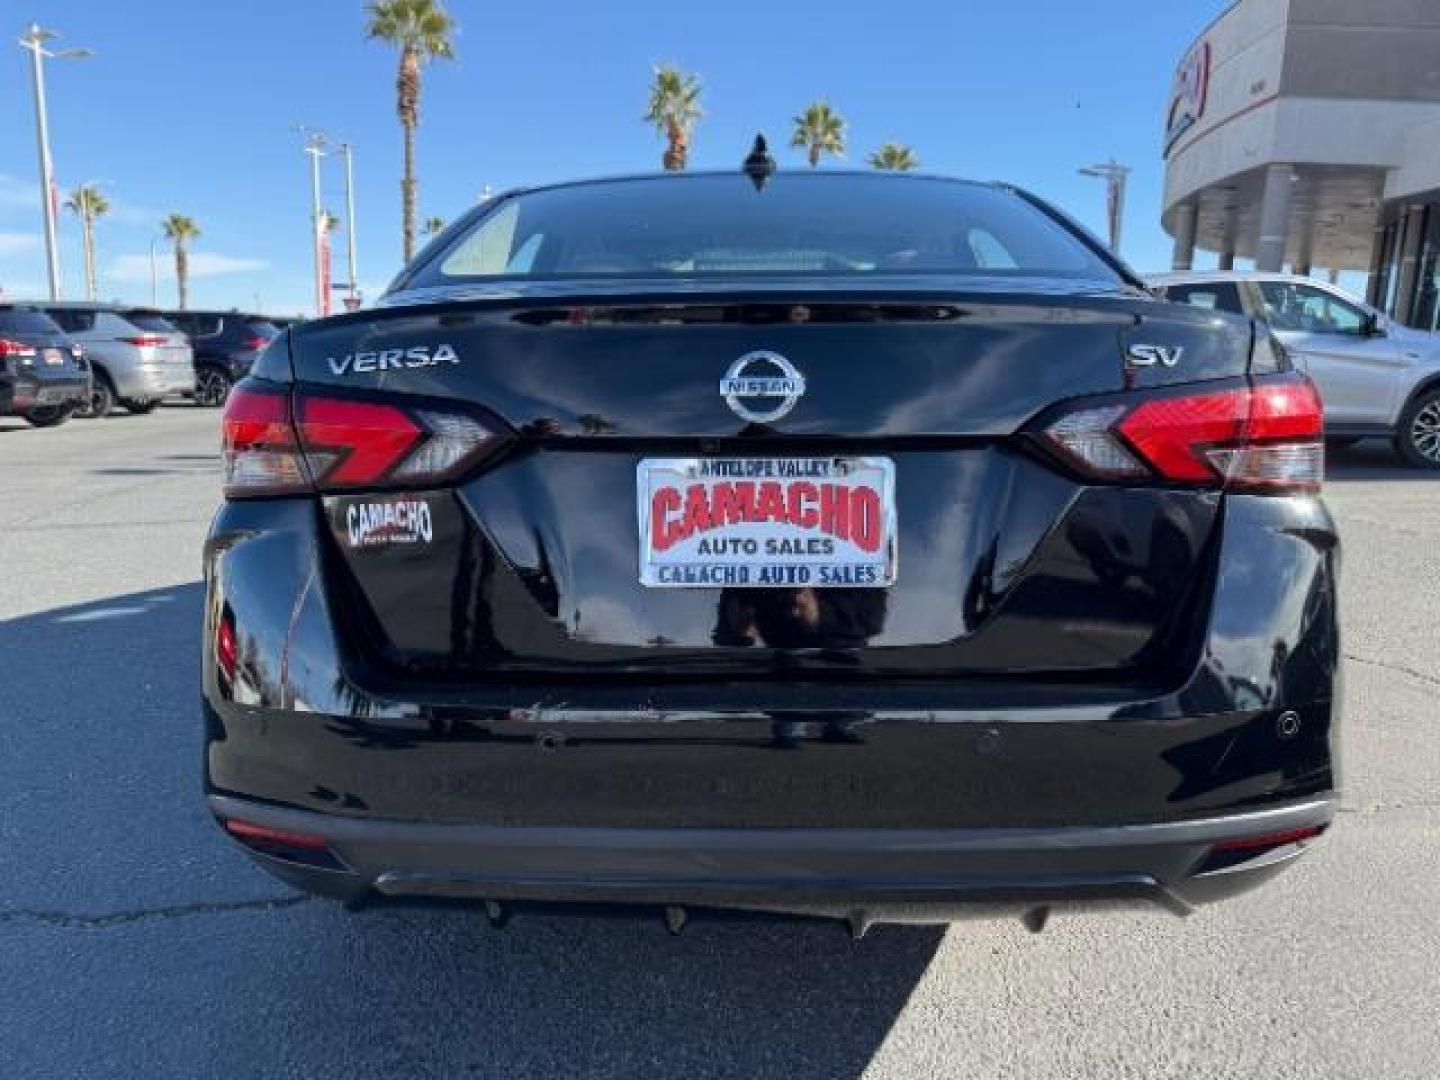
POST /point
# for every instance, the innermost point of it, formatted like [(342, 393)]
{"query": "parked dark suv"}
[(855, 544), (226, 344), (44, 376)]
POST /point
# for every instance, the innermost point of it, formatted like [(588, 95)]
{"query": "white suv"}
[(1376, 377)]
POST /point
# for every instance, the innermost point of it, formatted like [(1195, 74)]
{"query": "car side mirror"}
[(1374, 325)]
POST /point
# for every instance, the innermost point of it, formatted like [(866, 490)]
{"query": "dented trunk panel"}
[(532, 568), (1002, 564)]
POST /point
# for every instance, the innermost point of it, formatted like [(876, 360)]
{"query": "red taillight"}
[(146, 340), (263, 836), (1268, 841), (15, 348), (255, 344), (1171, 434), (1266, 435), (227, 651), (260, 452), (358, 442), (272, 446)]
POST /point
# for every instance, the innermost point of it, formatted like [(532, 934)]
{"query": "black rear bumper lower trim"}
[(1195, 831), (890, 874)]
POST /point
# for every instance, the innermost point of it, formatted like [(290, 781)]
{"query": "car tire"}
[(212, 387), (48, 416), (102, 399), (141, 406), (1417, 438)]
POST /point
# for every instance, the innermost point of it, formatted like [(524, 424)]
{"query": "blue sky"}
[(192, 106)]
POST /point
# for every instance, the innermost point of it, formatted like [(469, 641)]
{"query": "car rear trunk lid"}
[(1004, 565)]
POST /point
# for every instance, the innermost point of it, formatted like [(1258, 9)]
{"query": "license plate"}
[(49, 396), (766, 523), (54, 356)]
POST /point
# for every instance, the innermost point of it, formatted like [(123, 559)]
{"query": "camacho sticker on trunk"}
[(388, 521)]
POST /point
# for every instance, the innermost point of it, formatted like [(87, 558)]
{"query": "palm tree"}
[(180, 230), (433, 224), (421, 30), (674, 110), (819, 130), (896, 156), (88, 203)]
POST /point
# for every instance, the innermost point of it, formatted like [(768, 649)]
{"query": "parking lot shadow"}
[(101, 734), (1370, 460), (589, 996), (120, 900)]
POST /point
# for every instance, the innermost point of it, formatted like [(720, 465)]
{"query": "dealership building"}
[(1305, 135)]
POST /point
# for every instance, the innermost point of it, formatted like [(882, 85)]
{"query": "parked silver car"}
[(1377, 377), (138, 358)]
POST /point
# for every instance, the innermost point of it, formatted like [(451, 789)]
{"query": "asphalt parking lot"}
[(135, 942)]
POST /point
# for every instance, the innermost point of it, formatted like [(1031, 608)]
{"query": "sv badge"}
[(1150, 355)]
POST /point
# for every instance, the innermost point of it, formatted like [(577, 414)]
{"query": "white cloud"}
[(136, 268), (13, 243)]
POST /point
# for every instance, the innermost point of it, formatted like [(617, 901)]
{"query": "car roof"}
[(1236, 276), (209, 311), (1189, 277), (692, 174), (84, 305)]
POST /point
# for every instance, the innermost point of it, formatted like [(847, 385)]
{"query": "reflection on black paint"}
[(834, 620), (800, 618)]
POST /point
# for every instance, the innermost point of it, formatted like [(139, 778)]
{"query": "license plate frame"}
[(805, 540)]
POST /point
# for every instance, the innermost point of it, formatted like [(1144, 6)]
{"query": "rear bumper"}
[(865, 875), (20, 395), (157, 381), (783, 794), (63, 392), (16, 394)]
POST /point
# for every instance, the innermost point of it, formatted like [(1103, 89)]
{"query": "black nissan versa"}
[(825, 543)]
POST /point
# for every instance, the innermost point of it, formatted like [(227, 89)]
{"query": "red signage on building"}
[(324, 242), (1187, 97)]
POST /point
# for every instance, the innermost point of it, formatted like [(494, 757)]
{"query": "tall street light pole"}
[(154, 277), (315, 147), (347, 150), (34, 42), (1114, 174)]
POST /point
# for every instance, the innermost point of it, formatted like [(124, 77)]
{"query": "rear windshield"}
[(152, 321), (262, 328), (719, 225), (21, 320)]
